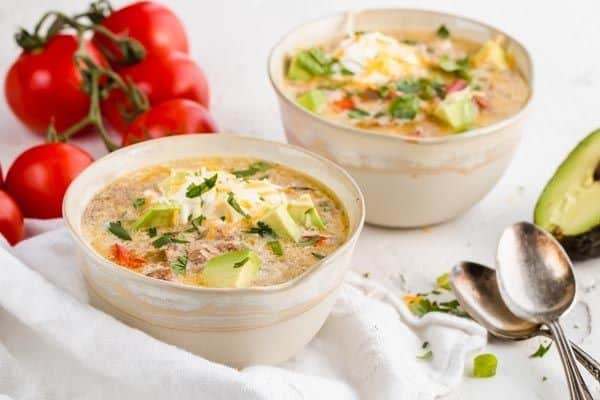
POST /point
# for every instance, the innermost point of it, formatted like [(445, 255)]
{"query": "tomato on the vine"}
[(11, 219), (39, 177), (45, 85), (154, 26), (173, 117), (172, 76)]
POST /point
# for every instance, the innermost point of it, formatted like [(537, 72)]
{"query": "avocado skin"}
[(583, 246)]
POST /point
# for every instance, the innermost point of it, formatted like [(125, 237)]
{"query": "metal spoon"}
[(537, 283), (476, 289)]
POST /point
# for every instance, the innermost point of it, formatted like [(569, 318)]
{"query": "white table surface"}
[(231, 39)]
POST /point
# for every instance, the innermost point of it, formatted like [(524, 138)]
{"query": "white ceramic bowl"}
[(406, 181), (238, 327)]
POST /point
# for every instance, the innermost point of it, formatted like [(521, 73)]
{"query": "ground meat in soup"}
[(188, 220)]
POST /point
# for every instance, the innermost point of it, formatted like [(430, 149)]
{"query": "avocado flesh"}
[(569, 206), (283, 224), (493, 55), (158, 216), (236, 269), (458, 110), (303, 211), (313, 101)]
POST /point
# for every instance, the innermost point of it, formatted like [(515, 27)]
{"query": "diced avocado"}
[(236, 269), (158, 216), (569, 206), (303, 211), (313, 100), (172, 183), (282, 223), (458, 110), (491, 54), (296, 72)]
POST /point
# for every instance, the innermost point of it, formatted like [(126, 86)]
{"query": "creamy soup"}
[(218, 222), (420, 84)]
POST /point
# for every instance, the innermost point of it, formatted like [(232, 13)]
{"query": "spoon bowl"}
[(476, 288), (535, 274)]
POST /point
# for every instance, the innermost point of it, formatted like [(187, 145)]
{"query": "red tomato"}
[(456, 86), (1, 178), (126, 258), (173, 117), (39, 177), (11, 219), (173, 76), (44, 85), (151, 24), (344, 104)]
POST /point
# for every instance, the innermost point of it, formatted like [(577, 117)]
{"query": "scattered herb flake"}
[(241, 263), (443, 281), (318, 256), (262, 230), (541, 351), (427, 356), (484, 365), (152, 232), (425, 345), (544, 378), (443, 32), (420, 306), (366, 274), (234, 204), (180, 264), (275, 247), (357, 113), (139, 203), (409, 86), (252, 169), (166, 239), (404, 107), (117, 229), (195, 190)]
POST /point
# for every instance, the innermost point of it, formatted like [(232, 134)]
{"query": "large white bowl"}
[(238, 327), (406, 181)]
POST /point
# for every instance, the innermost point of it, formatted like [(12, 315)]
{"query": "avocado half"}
[(569, 206)]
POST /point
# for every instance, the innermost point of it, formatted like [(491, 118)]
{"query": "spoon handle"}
[(584, 358), (577, 387)]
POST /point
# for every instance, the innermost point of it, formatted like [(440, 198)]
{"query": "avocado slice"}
[(569, 206), (233, 269), (313, 101), (303, 211), (296, 72), (492, 54), (158, 216), (458, 110), (282, 223), (173, 182)]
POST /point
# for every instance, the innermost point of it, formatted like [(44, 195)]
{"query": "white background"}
[(231, 40)]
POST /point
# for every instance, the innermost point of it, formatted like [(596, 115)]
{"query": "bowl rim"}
[(473, 133), (253, 290)]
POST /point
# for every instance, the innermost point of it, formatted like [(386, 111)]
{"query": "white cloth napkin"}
[(53, 345)]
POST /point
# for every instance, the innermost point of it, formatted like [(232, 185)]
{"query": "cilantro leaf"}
[(117, 229), (252, 169), (541, 351), (195, 190), (234, 204), (180, 264), (275, 247), (443, 32), (165, 239), (318, 256), (262, 230), (139, 203), (404, 107), (152, 232), (241, 263), (357, 113)]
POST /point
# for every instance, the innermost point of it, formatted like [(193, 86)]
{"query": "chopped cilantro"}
[(318, 256), (195, 190), (541, 351), (152, 232), (234, 204), (423, 305), (484, 365), (275, 247), (117, 229), (166, 239), (366, 274), (443, 281), (139, 203), (252, 169), (262, 230), (409, 86), (180, 264), (425, 345), (241, 263), (427, 356), (459, 67), (383, 91), (443, 32), (404, 107), (197, 222), (357, 113)]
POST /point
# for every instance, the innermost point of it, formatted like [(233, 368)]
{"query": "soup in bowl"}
[(230, 247), (422, 108)]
